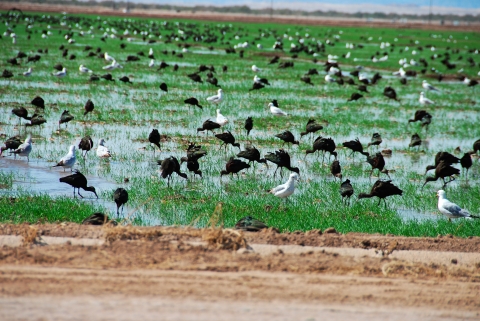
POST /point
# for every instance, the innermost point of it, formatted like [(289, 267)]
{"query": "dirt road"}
[(73, 272)]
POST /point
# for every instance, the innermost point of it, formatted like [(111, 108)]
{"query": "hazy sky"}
[(400, 6)]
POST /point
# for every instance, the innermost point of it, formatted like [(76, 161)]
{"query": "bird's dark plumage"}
[(377, 162), (21, 112), (336, 169), (282, 159), (415, 141), (382, 189), (376, 140), (77, 181), (346, 190), (154, 138), (98, 219), (86, 144), (89, 106), (168, 166), (65, 117), (355, 146), (443, 170), (208, 125), (38, 102), (193, 101), (233, 166), (11, 144), (287, 137), (120, 196), (250, 224), (227, 138), (312, 127), (248, 125), (325, 145), (164, 87), (252, 155)]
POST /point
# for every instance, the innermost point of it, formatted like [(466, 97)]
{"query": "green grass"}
[(125, 114)]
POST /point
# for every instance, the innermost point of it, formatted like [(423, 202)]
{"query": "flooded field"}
[(125, 114)]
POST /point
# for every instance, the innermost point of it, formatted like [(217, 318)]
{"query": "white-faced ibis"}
[(125, 79), (275, 110), (194, 153), (213, 81), (451, 210), (164, 87), (102, 151), (376, 140), (162, 65), (193, 102), (311, 127), (68, 160), (443, 170), (24, 149), (168, 166), (38, 102), (355, 146), (233, 166), (307, 80), (108, 77), (422, 116), (325, 145), (476, 147), (154, 138), (346, 190), (282, 159), (287, 189), (11, 144), (355, 97), (257, 86), (208, 125), (36, 120), (263, 81), (77, 181), (427, 86), (65, 118), (274, 60), (7, 74), (466, 162), (252, 155), (21, 112), (195, 77), (250, 224), (216, 99), (446, 157), (424, 100), (89, 106), (227, 138), (98, 219), (336, 170), (120, 197), (363, 88), (287, 137), (377, 162), (389, 92), (415, 141), (248, 125), (86, 144), (382, 189)]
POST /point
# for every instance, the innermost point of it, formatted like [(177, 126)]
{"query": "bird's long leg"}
[(275, 173), (379, 200), (78, 191), (74, 196)]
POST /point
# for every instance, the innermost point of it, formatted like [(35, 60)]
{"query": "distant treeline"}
[(248, 10)]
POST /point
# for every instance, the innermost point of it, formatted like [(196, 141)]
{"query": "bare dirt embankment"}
[(79, 272)]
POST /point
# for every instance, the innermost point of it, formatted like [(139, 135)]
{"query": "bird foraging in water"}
[(377, 162), (65, 118), (451, 210), (248, 125), (446, 157), (208, 125), (193, 101), (346, 190), (336, 169), (86, 144), (36, 120), (323, 144), (233, 166), (443, 170), (287, 137), (355, 146), (282, 159), (252, 154), (311, 127), (227, 138), (376, 140), (250, 224), (24, 149), (287, 189), (168, 166), (422, 116), (11, 144), (120, 197), (382, 189), (415, 141), (77, 181), (154, 138), (68, 160)]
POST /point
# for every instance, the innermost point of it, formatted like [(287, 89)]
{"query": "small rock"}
[(330, 230), (454, 261)]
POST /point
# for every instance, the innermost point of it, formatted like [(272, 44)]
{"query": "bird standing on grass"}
[(311, 127), (120, 196), (86, 144), (221, 120), (65, 118), (248, 125), (442, 170), (89, 106), (154, 138), (424, 100), (68, 160), (287, 189), (216, 99), (227, 138), (346, 190), (382, 189), (451, 210), (168, 166), (233, 166), (208, 125), (276, 111)]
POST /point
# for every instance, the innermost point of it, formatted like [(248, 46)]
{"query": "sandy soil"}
[(128, 273)]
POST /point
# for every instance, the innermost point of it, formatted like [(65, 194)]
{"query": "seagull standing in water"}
[(221, 120), (451, 210), (68, 160), (103, 151), (216, 99), (424, 100), (287, 189), (24, 149), (276, 111)]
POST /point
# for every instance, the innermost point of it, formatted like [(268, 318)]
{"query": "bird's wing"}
[(277, 189), (453, 208)]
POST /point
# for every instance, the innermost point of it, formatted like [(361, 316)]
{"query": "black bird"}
[(227, 138), (355, 146), (415, 141), (94, 77), (89, 106), (363, 88), (233, 166), (403, 81), (466, 162), (108, 77), (248, 125), (38, 102), (312, 71), (257, 86), (36, 120), (225, 68), (120, 196), (86, 144), (208, 125), (98, 219), (282, 159), (275, 103), (192, 101), (377, 162), (422, 116), (192, 165), (213, 81), (355, 97), (252, 155), (287, 137), (323, 144), (376, 77), (195, 78), (162, 65), (65, 118), (164, 87), (125, 79), (306, 80), (175, 67), (446, 157), (154, 138), (168, 166), (389, 92), (476, 147), (382, 189), (21, 112), (312, 127), (77, 181), (274, 60), (250, 224), (11, 144), (346, 190), (376, 140), (443, 170), (7, 74), (336, 169), (58, 67)]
